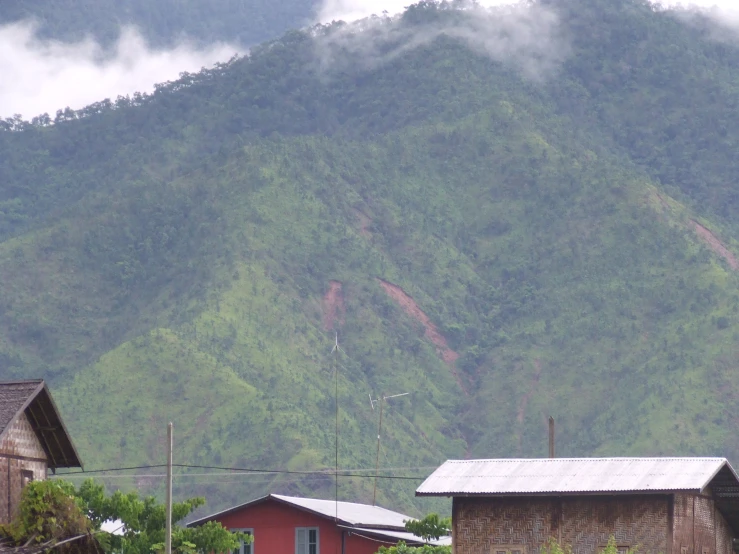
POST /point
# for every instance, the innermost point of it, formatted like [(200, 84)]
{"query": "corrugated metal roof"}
[(408, 538), (349, 513), (571, 476), (362, 515)]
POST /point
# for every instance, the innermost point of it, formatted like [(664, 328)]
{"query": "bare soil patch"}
[(333, 306), (715, 244), (431, 332)]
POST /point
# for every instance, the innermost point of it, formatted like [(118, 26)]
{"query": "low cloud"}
[(526, 36), (42, 76)]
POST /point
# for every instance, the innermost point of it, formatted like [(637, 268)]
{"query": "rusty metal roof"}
[(34, 399), (515, 477)]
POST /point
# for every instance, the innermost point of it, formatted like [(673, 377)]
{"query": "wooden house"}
[(293, 525), (660, 505), (33, 440)]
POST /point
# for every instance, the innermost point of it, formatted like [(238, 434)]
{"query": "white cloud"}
[(527, 37), (43, 76)]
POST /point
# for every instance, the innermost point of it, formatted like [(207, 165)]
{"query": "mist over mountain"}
[(509, 214)]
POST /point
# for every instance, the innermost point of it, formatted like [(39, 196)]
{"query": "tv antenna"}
[(335, 351), (381, 400)]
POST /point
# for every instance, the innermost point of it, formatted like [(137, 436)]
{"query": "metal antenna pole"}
[(168, 530), (381, 400), (336, 441), (377, 456)]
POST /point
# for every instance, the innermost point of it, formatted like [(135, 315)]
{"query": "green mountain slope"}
[(476, 238)]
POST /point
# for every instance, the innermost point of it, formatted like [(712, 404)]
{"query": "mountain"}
[(507, 215), (163, 22)]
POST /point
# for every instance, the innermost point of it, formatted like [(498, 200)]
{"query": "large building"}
[(660, 505), (33, 440), (293, 525)]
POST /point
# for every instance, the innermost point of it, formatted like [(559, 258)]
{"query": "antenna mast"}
[(381, 400), (335, 352)]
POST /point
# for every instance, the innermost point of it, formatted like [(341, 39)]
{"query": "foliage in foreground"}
[(49, 513), (54, 510), (402, 548), (431, 527)]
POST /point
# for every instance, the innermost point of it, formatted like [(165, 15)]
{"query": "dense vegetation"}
[(566, 224), (56, 515), (162, 22)]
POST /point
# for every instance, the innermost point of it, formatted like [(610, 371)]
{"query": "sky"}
[(45, 76)]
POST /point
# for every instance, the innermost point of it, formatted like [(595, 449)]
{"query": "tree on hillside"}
[(54, 511)]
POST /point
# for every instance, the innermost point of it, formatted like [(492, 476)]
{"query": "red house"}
[(293, 525)]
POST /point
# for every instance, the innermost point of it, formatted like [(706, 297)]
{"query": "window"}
[(244, 548), (26, 477), (624, 548), (683, 550), (508, 549), (306, 540)]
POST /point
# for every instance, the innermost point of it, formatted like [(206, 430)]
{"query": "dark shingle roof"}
[(34, 399), (13, 398)]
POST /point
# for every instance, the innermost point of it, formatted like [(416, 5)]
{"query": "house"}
[(33, 440), (661, 505), (293, 525)]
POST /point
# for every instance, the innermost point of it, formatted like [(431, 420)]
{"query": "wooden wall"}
[(699, 528), (522, 525), (20, 450)]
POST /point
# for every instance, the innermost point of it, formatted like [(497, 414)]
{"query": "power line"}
[(350, 473)]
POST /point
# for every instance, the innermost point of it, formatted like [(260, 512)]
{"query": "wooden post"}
[(168, 530), (551, 437)]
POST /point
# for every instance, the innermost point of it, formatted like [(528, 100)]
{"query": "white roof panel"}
[(354, 514), (401, 536), (571, 475)]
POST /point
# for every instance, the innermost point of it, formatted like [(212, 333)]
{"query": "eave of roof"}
[(574, 476), (58, 446), (286, 500), (395, 536)]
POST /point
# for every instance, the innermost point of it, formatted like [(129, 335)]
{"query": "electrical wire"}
[(350, 473)]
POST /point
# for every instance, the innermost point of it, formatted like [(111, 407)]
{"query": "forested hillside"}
[(162, 22), (508, 215)]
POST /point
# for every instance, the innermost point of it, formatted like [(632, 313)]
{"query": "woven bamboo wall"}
[(523, 525), (20, 450), (699, 528)]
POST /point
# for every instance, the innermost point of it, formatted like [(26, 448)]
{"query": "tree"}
[(431, 527), (144, 522), (402, 548), (54, 510)]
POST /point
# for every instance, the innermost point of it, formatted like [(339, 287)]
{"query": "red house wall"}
[(274, 526)]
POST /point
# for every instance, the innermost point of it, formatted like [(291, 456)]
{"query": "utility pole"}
[(551, 437), (168, 530), (381, 400)]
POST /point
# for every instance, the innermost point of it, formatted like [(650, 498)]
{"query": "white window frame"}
[(307, 543), (242, 549)]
